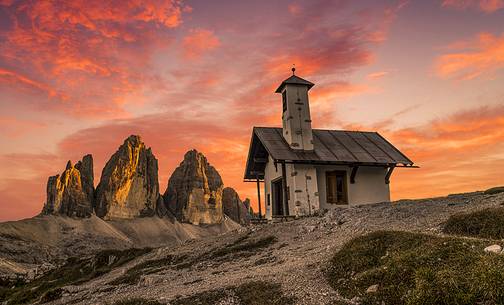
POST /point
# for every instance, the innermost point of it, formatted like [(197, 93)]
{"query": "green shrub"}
[(417, 269), (136, 301), (251, 293), (494, 190), (243, 247), (132, 276), (74, 271), (488, 223)]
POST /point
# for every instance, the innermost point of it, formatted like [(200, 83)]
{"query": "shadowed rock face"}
[(194, 192), (129, 184), (71, 193), (234, 207)]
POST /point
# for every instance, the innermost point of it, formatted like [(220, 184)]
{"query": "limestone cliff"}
[(234, 207), (194, 192), (71, 193), (129, 184)]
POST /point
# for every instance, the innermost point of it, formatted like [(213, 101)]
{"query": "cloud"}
[(57, 46), (199, 41), (471, 59), (487, 6), (13, 127), (377, 75), (462, 152)]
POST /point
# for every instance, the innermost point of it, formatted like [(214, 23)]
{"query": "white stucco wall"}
[(303, 190), (369, 186), (270, 174)]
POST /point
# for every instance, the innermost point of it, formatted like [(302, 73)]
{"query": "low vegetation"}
[(494, 190), (137, 301), (132, 276), (388, 267), (488, 223), (74, 271), (243, 246), (251, 293)]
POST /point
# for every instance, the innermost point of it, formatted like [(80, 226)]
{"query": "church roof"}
[(294, 80), (335, 147)]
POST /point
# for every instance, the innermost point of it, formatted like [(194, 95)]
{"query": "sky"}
[(78, 77)]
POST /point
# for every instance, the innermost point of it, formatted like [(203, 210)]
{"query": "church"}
[(307, 170)]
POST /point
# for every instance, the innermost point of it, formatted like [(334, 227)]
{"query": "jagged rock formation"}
[(234, 207), (129, 184), (194, 192), (71, 193)]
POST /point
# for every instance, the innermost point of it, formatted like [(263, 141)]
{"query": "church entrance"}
[(277, 196)]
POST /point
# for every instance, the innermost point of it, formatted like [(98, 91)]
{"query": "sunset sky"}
[(79, 76)]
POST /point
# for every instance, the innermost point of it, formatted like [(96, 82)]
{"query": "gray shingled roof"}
[(294, 80), (330, 147)]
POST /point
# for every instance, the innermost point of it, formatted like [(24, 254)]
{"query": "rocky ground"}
[(295, 256)]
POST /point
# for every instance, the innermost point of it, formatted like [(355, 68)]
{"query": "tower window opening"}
[(284, 101)]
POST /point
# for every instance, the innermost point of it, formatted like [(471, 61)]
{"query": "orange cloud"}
[(105, 45), (199, 41), (377, 75), (487, 6), (485, 55), (462, 152), (13, 127)]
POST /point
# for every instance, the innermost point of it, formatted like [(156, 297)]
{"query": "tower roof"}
[(294, 80)]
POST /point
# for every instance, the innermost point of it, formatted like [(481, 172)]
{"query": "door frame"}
[(345, 186), (276, 186)]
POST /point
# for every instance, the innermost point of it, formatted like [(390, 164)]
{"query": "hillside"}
[(284, 263), (28, 243)]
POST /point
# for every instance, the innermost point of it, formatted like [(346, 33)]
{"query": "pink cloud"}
[(57, 46), (487, 6), (377, 75), (484, 55), (199, 41)]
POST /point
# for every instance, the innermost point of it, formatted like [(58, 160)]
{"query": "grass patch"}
[(136, 301), (415, 269), (251, 293), (488, 223), (75, 271), (494, 190), (243, 247), (132, 276)]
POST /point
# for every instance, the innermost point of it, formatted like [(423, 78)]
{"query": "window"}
[(284, 100), (336, 187)]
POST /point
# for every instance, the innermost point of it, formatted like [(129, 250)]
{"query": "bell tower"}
[(296, 119)]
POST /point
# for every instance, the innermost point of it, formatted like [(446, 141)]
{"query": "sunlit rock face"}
[(71, 193), (129, 184), (233, 207), (194, 192)]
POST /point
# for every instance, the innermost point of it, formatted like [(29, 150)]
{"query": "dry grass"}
[(488, 223), (417, 269)]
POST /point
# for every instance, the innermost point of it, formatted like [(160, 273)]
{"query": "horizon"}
[(78, 78)]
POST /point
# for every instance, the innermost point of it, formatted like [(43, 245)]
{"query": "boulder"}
[(372, 288), (129, 184), (194, 192), (71, 193), (493, 249), (234, 207)]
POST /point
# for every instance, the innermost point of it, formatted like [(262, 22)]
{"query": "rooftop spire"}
[(293, 69)]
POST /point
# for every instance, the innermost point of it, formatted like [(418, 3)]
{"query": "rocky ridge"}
[(72, 192), (129, 184), (129, 188), (234, 207), (194, 192)]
